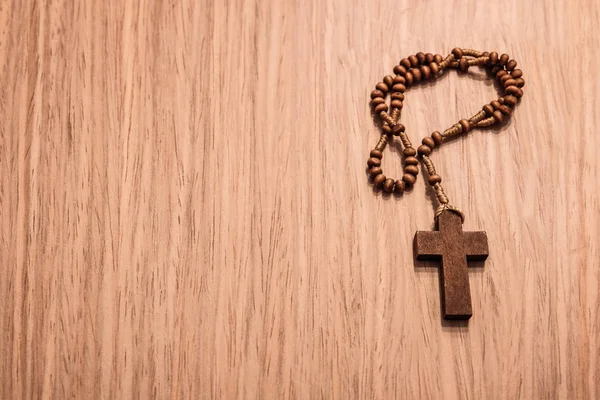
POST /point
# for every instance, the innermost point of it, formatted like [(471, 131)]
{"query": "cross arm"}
[(476, 245), (428, 245)]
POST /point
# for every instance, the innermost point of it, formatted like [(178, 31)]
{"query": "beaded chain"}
[(424, 67)]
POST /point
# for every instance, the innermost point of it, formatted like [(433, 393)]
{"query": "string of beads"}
[(424, 67)]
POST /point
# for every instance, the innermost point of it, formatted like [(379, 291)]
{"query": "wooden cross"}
[(453, 247)]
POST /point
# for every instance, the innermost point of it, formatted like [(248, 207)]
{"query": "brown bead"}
[(466, 125), (435, 68), (510, 82), (438, 58), (495, 104), (493, 58), (399, 187), (506, 110), (424, 150), (515, 91), (409, 78), (399, 79), (374, 162), (501, 72), (377, 101), (510, 100), (503, 59), (378, 181), (489, 109), (517, 73), (381, 107), (411, 160), (463, 65), (411, 169), (495, 70), (388, 80), (396, 103), (409, 179), (399, 70), (416, 74), (409, 152), (498, 116), (386, 129), (376, 153), (437, 138), (388, 185), (375, 171), (427, 141), (405, 63), (520, 82), (397, 96), (414, 61), (485, 54), (421, 57), (376, 93), (457, 53), (433, 179), (397, 129), (512, 64), (426, 71), (398, 87), (504, 78), (382, 86), (428, 58)]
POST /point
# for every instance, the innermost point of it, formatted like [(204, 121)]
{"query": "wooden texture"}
[(185, 213), (452, 247)]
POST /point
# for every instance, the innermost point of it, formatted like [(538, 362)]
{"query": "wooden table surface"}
[(185, 213)]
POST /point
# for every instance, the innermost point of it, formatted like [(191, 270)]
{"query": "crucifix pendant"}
[(453, 248)]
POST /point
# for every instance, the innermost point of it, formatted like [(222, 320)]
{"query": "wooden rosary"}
[(449, 244)]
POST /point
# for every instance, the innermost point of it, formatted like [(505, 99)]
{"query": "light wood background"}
[(185, 213)]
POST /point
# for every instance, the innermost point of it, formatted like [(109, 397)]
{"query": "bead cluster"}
[(424, 67)]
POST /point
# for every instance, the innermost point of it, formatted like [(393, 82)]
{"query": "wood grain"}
[(185, 213)]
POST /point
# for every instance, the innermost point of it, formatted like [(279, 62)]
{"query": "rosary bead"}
[(438, 58), (500, 73), (399, 79), (375, 171), (386, 129), (497, 69), (504, 78), (515, 91), (377, 101), (395, 103), (409, 78), (411, 160), (374, 162), (517, 73), (489, 109), (376, 93), (509, 82), (409, 152), (466, 125), (424, 150), (498, 116), (381, 107), (405, 63), (428, 58), (411, 169), (426, 71), (506, 110), (485, 54), (388, 185), (420, 57), (378, 181), (457, 53), (503, 59), (416, 74), (427, 141), (493, 58), (495, 104), (388, 80), (435, 68), (376, 153), (414, 61), (398, 87), (433, 179), (382, 86), (409, 179), (397, 129), (399, 186), (397, 95), (399, 70), (437, 138), (463, 65), (520, 82), (512, 64), (510, 100)]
